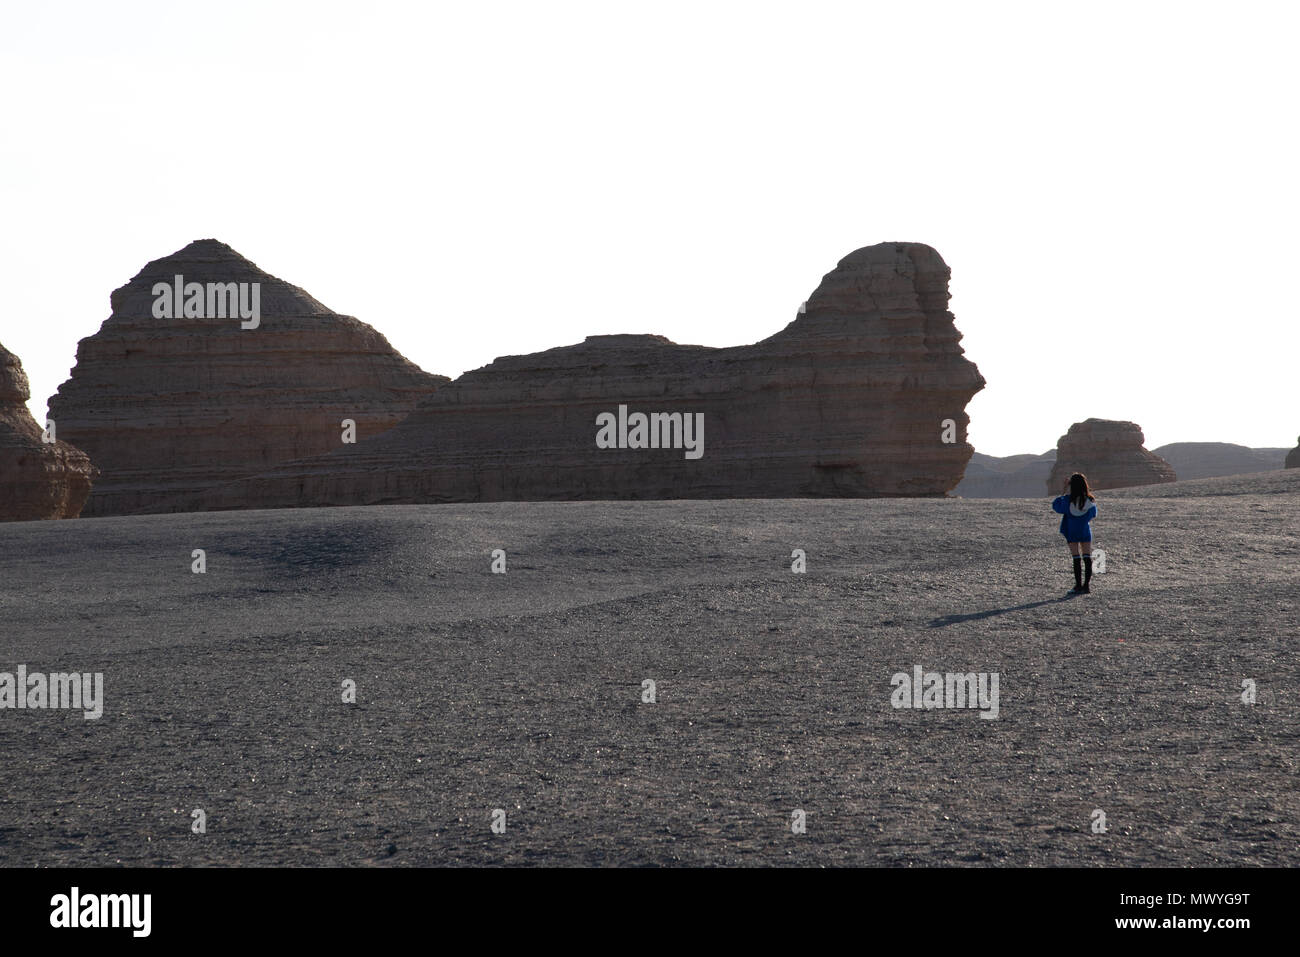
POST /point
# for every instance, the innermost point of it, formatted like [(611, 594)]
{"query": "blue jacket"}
[(1076, 524)]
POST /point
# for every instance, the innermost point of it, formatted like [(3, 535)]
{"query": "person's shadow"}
[(947, 620)]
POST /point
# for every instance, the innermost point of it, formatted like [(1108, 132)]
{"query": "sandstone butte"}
[(37, 479), (849, 400), (1110, 453), (166, 407), (1293, 457)]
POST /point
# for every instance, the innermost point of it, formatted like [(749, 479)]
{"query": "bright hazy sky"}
[(1114, 185)]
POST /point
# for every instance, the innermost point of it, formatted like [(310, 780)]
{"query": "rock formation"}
[(1293, 457), (166, 407), (37, 479), (848, 400), (1110, 453)]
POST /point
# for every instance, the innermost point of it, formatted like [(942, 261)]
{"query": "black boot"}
[(1078, 575), (1087, 574)]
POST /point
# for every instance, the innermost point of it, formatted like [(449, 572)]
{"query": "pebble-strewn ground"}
[(523, 691)]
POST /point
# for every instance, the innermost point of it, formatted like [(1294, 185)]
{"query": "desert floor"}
[(523, 691)]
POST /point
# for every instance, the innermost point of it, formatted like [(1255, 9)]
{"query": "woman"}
[(1078, 508)]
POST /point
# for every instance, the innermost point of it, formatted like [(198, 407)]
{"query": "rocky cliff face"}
[(848, 400), (1293, 457), (1110, 453), (168, 405), (37, 479)]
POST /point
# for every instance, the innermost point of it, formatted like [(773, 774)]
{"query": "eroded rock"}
[(851, 399), (1110, 453), (168, 407), (37, 479)]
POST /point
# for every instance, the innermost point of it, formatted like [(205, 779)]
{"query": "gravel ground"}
[(522, 691)]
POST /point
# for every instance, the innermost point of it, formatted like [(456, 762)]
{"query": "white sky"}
[(1113, 184)]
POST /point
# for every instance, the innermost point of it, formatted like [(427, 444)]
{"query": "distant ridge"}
[(1279, 482), (1012, 476), (1022, 476), (1193, 460)]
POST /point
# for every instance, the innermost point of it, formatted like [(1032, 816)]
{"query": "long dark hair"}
[(1079, 490)]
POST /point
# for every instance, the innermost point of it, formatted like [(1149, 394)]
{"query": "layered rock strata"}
[(849, 400), (180, 390), (38, 479), (1110, 454)]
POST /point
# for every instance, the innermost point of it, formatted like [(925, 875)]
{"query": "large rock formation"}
[(1293, 457), (170, 406), (37, 479), (1110, 453), (848, 400)]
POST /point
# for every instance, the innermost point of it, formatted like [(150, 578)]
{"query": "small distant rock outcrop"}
[(168, 405), (37, 479), (1196, 460), (849, 400), (1110, 453)]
